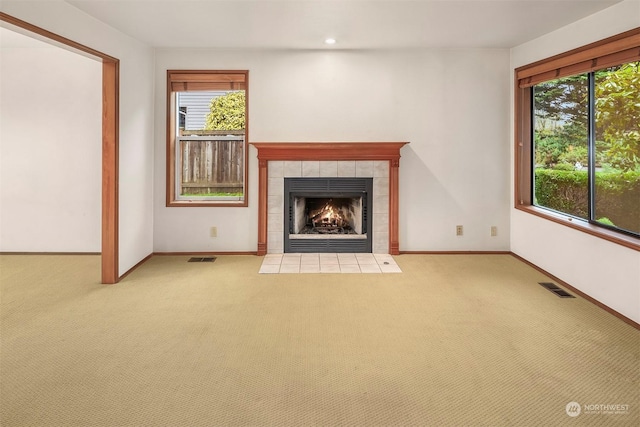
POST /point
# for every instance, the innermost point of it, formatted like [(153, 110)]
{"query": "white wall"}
[(136, 114), (50, 149), (451, 105), (606, 271)]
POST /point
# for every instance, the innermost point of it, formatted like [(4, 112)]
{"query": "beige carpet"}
[(453, 340)]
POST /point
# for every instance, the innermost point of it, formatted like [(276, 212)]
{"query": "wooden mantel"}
[(328, 150), (313, 151)]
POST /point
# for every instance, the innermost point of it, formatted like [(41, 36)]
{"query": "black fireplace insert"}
[(328, 215)]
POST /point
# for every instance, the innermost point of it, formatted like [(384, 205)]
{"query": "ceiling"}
[(356, 24)]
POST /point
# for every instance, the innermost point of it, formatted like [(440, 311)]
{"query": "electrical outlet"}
[(494, 231), (458, 230), (213, 232)]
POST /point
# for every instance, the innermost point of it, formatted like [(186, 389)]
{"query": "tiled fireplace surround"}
[(377, 160)]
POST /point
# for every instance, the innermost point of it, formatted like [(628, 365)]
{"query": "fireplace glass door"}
[(328, 214)]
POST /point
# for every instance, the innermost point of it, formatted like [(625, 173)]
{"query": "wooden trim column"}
[(110, 83), (263, 204), (394, 205)]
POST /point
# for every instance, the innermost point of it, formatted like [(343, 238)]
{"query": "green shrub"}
[(606, 221), (617, 195), (564, 167), (227, 112), (575, 154)]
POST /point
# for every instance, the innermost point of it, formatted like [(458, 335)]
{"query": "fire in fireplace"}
[(327, 214)]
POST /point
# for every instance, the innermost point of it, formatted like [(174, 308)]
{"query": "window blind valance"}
[(190, 81), (613, 51)]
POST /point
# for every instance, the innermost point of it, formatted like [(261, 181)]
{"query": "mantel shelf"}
[(328, 150)]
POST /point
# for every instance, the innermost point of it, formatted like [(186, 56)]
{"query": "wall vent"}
[(202, 259), (556, 290)]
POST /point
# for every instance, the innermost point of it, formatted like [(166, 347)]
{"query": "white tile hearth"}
[(328, 263)]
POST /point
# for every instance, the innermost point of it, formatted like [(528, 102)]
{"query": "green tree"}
[(617, 93), (561, 119), (563, 100), (227, 112)]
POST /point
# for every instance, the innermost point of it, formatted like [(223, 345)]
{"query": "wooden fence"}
[(212, 165)]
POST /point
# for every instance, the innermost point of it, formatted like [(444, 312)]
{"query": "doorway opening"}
[(110, 90)]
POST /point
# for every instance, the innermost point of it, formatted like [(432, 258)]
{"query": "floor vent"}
[(556, 290), (201, 259)]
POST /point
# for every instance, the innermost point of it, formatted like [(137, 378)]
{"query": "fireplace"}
[(379, 161), (327, 215)]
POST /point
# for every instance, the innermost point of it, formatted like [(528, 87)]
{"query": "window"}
[(578, 138), (182, 118), (207, 122)]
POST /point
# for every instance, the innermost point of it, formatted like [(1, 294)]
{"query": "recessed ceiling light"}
[(330, 41)]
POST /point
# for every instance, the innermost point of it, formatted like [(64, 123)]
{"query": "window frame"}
[(202, 80), (615, 50)]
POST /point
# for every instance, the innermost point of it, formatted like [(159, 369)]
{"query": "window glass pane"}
[(210, 145), (617, 123), (560, 144)]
